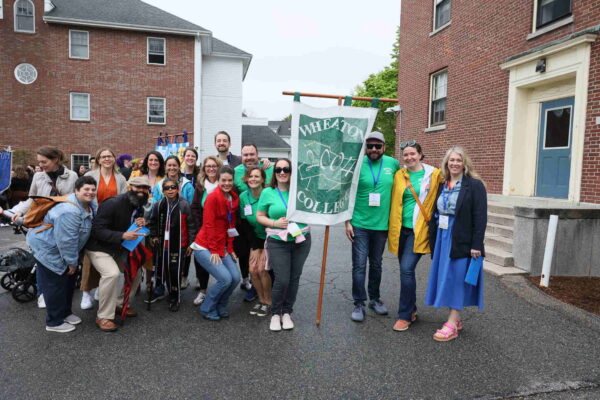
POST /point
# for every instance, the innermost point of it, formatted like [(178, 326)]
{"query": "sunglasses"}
[(377, 146), (285, 170), (409, 143), (170, 187)]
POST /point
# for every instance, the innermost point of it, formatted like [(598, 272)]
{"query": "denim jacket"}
[(58, 247)]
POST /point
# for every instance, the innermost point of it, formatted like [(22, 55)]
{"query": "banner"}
[(5, 168), (327, 153), (171, 148)]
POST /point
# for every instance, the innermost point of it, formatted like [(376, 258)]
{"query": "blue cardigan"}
[(470, 219)]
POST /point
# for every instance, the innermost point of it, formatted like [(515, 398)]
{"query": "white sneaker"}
[(184, 282), (286, 322), (41, 302), (198, 300), (86, 301), (62, 328), (72, 319), (275, 323), (96, 294)]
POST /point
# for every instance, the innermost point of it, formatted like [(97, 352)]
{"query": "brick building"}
[(82, 74), (517, 83)]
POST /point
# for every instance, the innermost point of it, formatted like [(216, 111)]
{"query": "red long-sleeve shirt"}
[(219, 215)]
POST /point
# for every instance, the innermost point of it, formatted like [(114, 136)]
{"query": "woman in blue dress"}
[(456, 236)]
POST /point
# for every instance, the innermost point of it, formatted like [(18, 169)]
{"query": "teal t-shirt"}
[(370, 217), (408, 200), (240, 171), (271, 203), (246, 198)]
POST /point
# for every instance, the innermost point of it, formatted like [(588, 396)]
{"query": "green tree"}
[(383, 84)]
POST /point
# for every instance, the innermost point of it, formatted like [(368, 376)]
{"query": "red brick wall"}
[(477, 41), (116, 76)]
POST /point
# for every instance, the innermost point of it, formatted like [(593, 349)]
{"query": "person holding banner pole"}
[(457, 232), (413, 198), (287, 245), (367, 230)]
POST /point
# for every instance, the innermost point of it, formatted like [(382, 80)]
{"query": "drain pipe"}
[(549, 251)]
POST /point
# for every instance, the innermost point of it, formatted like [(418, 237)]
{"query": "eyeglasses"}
[(409, 143), (170, 187), (106, 157), (210, 167), (285, 170), (377, 146)]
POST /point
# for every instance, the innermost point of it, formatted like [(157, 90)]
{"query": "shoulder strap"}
[(53, 186), (417, 199)]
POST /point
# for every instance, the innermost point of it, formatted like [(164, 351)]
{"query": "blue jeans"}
[(408, 282), (367, 244), (227, 276), (58, 294)]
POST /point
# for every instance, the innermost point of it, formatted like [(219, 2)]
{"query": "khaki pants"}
[(89, 276), (110, 271)]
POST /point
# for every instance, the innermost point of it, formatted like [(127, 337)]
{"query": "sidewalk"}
[(523, 345)]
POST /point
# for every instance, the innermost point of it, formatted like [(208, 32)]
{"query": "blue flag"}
[(5, 168)]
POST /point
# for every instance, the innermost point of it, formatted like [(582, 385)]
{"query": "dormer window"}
[(24, 16)]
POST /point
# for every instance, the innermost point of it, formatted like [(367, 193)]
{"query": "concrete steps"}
[(499, 240)]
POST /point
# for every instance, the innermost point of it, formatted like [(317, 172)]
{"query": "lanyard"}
[(230, 212), (375, 181), (282, 199), (250, 198)]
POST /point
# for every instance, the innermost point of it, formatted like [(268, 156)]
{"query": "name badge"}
[(374, 199), (293, 229), (232, 232), (443, 222), (167, 235), (247, 209)]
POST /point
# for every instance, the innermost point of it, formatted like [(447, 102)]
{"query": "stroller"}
[(19, 279)]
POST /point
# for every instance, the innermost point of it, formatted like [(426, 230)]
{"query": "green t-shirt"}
[(408, 200), (240, 171), (271, 203), (247, 199), (370, 217)]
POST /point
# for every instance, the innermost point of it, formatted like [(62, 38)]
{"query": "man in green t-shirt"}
[(367, 230), (250, 158)]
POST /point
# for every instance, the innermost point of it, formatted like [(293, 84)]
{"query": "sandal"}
[(447, 333), (459, 325)]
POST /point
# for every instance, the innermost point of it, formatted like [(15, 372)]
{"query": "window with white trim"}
[(549, 11), (437, 106), (441, 13), (79, 44), (80, 106), (77, 160), (1, 11), (157, 49), (157, 110), (24, 16)]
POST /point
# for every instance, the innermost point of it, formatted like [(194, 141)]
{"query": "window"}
[(548, 11), (24, 16), (77, 160), (26, 73), (157, 110), (441, 15), (80, 106), (156, 51), (79, 44), (437, 108)]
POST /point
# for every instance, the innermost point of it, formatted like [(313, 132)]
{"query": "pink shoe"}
[(447, 333)]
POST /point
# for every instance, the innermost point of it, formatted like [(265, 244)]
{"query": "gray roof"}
[(263, 137), (220, 47), (119, 12)]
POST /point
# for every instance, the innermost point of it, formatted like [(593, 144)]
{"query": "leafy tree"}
[(383, 84)]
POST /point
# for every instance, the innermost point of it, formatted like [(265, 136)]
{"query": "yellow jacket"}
[(427, 195)]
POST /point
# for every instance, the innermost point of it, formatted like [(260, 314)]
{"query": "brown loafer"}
[(106, 325), (129, 313)]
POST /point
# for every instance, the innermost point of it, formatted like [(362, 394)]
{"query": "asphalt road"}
[(524, 345)]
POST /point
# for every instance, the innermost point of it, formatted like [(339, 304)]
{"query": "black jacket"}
[(470, 219), (234, 160), (112, 220)]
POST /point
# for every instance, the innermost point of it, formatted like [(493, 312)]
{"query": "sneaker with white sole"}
[(286, 322), (72, 319), (275, 323), (41, 302), (62, 328), (199, 299), (263, 311), (97, 294), (86, 301), (184, 282), (255, 309)]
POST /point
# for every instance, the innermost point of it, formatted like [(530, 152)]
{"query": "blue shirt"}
[(58, 247), (446, 203)]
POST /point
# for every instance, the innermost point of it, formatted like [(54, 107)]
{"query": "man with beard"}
[(368, 228), (222, 143), (109, 230)]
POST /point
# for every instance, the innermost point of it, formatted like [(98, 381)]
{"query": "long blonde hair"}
[(468, 169), (202, 173)]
